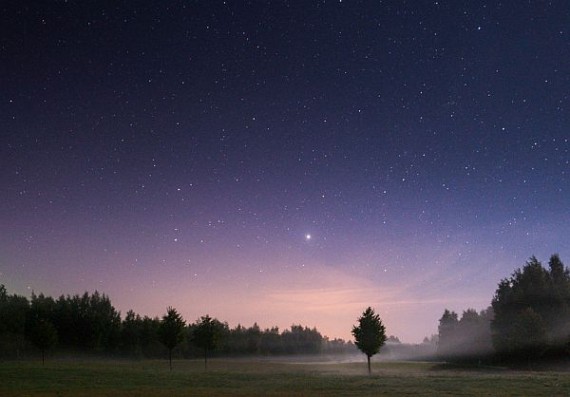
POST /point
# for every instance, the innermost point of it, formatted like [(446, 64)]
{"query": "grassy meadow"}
[(268, 378)]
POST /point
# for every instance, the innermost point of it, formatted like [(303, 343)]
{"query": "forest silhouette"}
[(528, 320)]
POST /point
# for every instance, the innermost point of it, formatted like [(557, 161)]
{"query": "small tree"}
[(171, 330), (206, 335), (369, 334)]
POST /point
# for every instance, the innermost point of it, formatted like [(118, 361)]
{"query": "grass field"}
[(266, 378)]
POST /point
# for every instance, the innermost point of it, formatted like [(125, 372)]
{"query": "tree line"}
[(89, 324), (528, 319)]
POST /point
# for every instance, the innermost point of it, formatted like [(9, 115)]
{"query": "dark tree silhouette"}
[(170, 331), (40, 329), (447, 332), (530, 334), (271, 342), (87, 322), (393, 339), (131, 334), (206, 334), (532, 311), (13, 313), (369, 334), (302, 340), (465, 338)]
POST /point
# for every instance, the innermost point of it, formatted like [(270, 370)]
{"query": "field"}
[(267, 378)]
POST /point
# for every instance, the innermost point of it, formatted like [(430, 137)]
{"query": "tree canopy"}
[(25, 330), (467, 337), (532, 310)]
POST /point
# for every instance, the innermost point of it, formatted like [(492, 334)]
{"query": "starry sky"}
[(284, 161)]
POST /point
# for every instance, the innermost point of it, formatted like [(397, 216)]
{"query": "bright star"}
[(307, 236)]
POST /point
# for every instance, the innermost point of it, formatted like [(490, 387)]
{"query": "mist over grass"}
[(267, 377)]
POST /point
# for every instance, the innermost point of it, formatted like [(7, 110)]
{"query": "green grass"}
[(265, 378)]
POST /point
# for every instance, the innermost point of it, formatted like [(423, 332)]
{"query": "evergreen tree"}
[(369, 334), (170, 331)]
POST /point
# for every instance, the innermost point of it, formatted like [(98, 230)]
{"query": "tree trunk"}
[(43, 357), (170, 358), (369, 370), (205, 359)]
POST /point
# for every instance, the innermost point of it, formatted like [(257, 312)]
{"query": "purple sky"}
[(180, 155)]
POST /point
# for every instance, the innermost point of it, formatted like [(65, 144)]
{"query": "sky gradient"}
[(283, 162)]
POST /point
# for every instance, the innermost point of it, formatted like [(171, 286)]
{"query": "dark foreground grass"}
[(263, 378)]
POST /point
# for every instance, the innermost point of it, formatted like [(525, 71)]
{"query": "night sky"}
[(283, 161)]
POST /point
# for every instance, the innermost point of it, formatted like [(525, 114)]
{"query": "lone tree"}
[(206, 334), (369, 334), (170, 331)]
